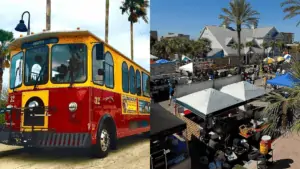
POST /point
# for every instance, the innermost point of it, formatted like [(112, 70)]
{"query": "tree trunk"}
[(239, 28), (106, 20), (48, 15), (284, 116), (1, 78), (131, 39)]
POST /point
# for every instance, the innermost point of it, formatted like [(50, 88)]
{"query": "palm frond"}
[(290, 2)]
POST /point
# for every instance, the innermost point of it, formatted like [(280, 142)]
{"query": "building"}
[(154, 35), (223, 39), (288, 37), (173, 35)]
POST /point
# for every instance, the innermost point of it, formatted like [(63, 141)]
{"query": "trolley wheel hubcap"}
[(104, 140)]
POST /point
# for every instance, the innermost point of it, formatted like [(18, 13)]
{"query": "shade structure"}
[(188, 67), (153, 57), (287, 56), (185, 58), (269, 60), (163, 123), (280, 59), (162, 61), (286, 80), (208, 101), (243, 90)]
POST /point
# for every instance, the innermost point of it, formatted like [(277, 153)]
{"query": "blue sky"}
[(190, 16)]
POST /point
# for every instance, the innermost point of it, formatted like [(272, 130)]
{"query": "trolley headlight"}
[(9, 107), (73, 106), (32, 105)]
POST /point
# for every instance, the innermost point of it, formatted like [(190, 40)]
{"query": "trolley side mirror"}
[(99, 51)]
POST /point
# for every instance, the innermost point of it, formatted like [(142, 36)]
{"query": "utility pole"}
[(106, 20), (48, 15)]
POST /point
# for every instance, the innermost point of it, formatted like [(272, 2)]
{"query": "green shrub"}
[(2, 105)]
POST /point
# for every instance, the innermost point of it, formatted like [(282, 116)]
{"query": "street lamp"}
[(21, 27)]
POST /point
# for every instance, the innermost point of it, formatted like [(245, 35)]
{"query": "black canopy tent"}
[(163, 123)]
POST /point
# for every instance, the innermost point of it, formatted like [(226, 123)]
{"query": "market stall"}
[(208, 102), (225, 134)]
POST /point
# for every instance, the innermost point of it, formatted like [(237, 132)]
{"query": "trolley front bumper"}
[(45, 139)]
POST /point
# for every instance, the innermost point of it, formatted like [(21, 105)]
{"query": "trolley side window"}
[(146, 84), (109, 70), (98, 64), (69, 63), (125, 77), (16, 71), (138, 83), (132, 80)]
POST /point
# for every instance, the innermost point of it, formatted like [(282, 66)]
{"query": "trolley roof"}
[(17, 43)]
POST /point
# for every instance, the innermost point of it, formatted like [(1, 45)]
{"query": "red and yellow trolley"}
[(71, 89)]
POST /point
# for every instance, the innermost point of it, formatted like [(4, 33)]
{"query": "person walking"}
[(253, 78), (171, 93), (265, 81)]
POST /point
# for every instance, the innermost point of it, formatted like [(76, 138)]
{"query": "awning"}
[(243, 90), (163, 123), (153, 57), (208, 102), (286, 80), (188, 67)]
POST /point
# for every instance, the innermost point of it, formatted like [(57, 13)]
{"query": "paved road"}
[(133, 153)]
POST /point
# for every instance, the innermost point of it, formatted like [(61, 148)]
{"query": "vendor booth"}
[(168, 147), (208, 102), (230, 136)]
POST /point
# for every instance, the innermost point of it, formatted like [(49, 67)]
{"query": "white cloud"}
[(86, 14)]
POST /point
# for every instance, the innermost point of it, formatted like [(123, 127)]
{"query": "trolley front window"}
[(36, 65), (16, 71), (69, 62)]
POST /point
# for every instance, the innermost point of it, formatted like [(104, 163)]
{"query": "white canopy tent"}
[(188, 67), (243, 90), (153, 57), (208, 101)]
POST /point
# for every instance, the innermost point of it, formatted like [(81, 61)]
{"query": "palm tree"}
[(162, 48), (249, 44), (240, 13), (48, 15), (264, 45), (135, 9), (280, 45), (273, 45), (106, 20), (291, 8), (5, 37), (281, 110), (180, 46), (200, 47)]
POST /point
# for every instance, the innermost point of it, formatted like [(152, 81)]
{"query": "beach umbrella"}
[(280, 59), (269, 60), (287, 56)]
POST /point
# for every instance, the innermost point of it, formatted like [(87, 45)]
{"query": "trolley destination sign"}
[(39, 43)]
